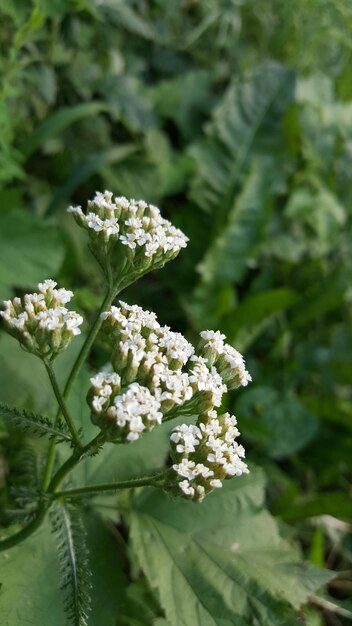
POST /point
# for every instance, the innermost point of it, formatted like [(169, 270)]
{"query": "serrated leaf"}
[(30, 250), (36, 424), (221, 562), (73, 558), (254, 105), (226, 258)]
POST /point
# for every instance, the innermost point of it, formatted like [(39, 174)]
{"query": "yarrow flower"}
[(40, 321), (227, 360), (158, 375), (205, 454), (130, 233), (123, 416)]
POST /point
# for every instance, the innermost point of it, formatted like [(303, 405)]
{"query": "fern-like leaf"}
[(250, 109), (36, 424), (74, 564)]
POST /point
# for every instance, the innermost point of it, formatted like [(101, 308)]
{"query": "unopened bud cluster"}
[(205, 454), (40, 321), (132, 231), (158, 374)]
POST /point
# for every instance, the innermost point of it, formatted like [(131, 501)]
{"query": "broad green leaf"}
[(58, 122), (24, 382), (30, 250), (227, 257), (107, 565), (29, 578), (221, 562), (333, 503), (289, 424), (124, 461), (253, 316), (251, 106)]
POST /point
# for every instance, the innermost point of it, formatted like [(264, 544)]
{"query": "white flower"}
[(133, 223), (206, 454), (40, 322), (227, 360), (129, 413)]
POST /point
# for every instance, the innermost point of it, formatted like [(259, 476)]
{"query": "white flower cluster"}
[(122, 416), (150, 239), (227, 360), (207, 453), (40, 321), (159, 361)]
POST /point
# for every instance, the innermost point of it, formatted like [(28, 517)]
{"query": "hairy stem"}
[(62, 404), (123, 484)]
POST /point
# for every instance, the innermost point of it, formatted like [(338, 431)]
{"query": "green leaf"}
[(30, 586), (255, 314), (254, 105), (227, 257), (125, 461), (58, 122), (88, 166), (333, 503), (108, 579), (290, 426), (73, 558), (29, 579), (36, 424), (221, 562), (30, 250)]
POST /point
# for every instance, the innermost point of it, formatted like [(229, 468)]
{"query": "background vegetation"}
[(235, 117)]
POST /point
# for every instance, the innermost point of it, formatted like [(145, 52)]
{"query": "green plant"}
[(157, 376)]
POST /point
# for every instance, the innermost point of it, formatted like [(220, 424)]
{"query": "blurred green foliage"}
[(235, 117)]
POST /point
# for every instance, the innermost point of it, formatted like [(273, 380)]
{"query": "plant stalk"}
[(153, 481), (62, 404)]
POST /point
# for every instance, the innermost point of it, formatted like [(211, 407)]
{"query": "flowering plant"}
[(153, 380), (154, 375)]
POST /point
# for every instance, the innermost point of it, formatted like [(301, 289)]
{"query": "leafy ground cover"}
[(236, 119)]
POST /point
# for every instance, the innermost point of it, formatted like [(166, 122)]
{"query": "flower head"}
[(227, 360), (40, 321), (132, 231), (205, 454)]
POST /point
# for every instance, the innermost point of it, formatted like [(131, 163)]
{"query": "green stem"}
[(124, 484), (71, 462), (62, 404), (109, 297), (28, 530), (25, 532)]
